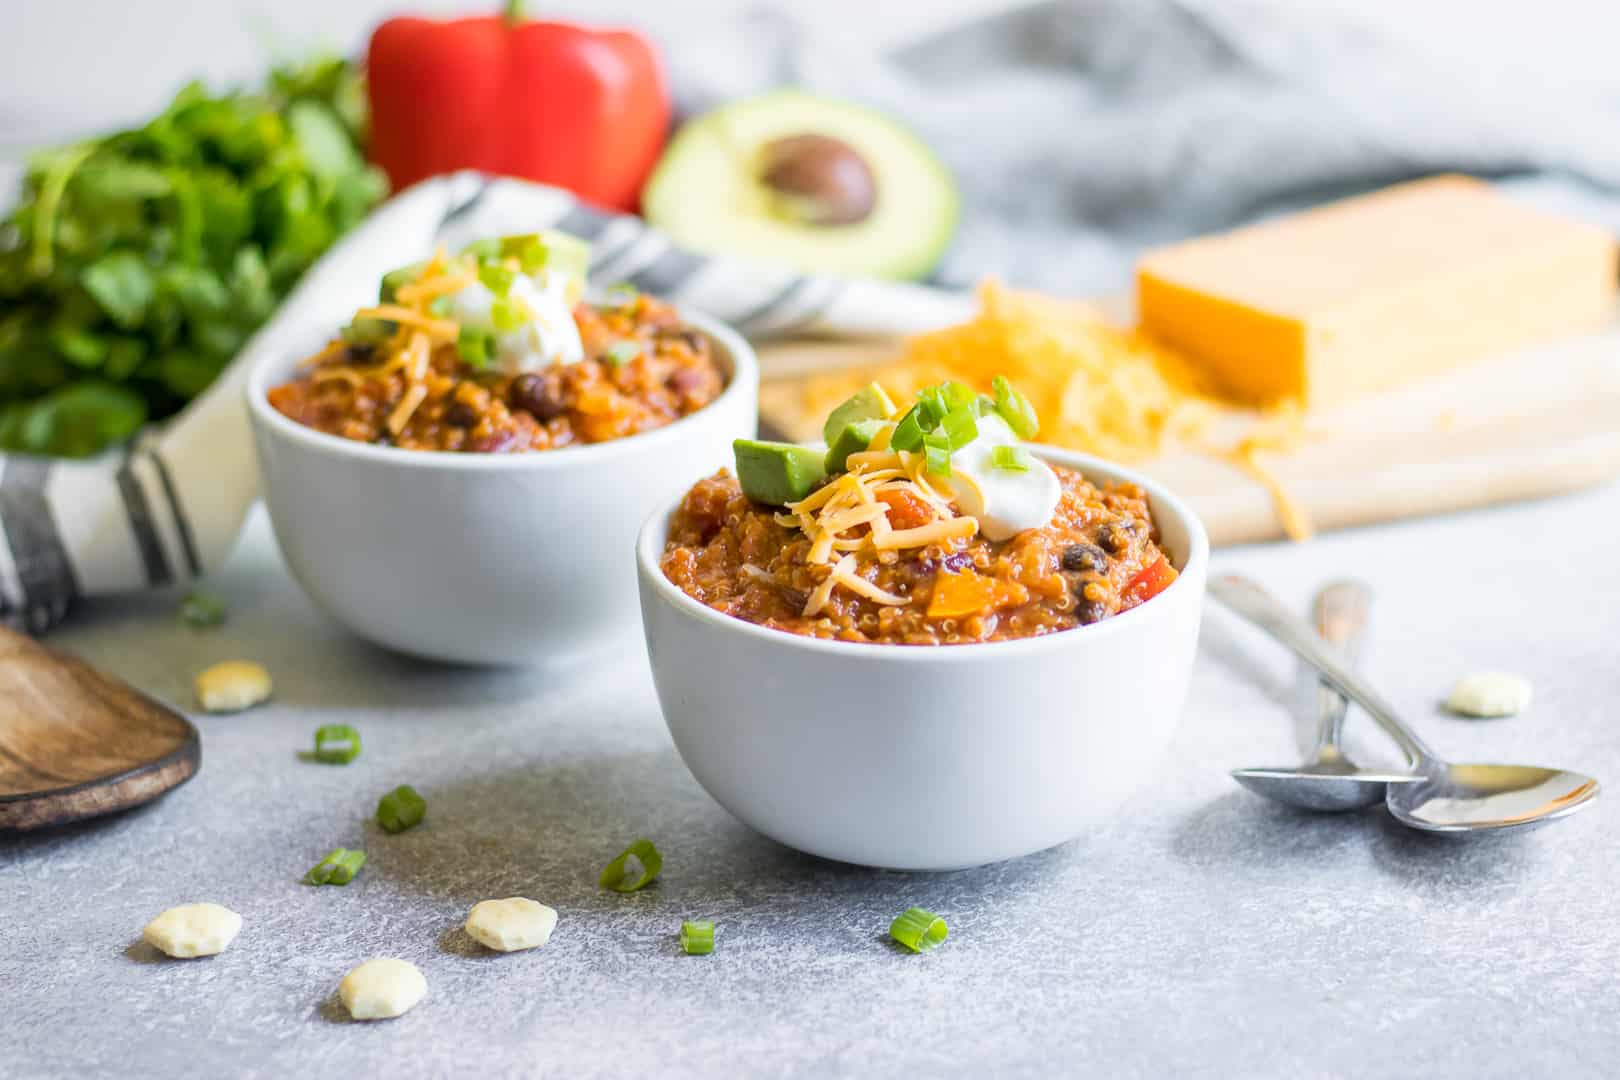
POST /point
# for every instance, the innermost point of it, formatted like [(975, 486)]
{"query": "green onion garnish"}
[(697, 937), (1011, 458), (336, 744), (931, 401), (338, 868), (908, 433), (201, 610), (937, 451), (918, 930), (496, 278), (506, 315), (401, 809), (440, 306), (617, 875), (1015, 409), (622, 352), (959, 426), (533, 255), (485, 247), (958, 395), (622, 295), (476, 345)]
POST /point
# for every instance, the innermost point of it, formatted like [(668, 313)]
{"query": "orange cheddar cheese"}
[(1364, 294)]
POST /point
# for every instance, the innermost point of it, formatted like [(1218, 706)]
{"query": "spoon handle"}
[(1255, 604), (1340, 612)]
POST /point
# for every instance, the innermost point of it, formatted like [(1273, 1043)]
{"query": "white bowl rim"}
[(1195, 564), (744, 373)]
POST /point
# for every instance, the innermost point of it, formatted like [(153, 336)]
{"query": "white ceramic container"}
[(484, 558), (927, 757)]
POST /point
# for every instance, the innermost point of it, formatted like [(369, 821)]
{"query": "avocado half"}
[(823, 185)]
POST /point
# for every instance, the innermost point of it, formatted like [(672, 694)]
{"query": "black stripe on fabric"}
[(182, 524), (786, 293), (668, 272), (467, 205), (48, 584), (585, 222), (140, 523)]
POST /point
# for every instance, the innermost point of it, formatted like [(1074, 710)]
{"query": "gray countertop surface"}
[(1201, 933)]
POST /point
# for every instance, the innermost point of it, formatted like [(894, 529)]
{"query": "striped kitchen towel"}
[(170, 507)]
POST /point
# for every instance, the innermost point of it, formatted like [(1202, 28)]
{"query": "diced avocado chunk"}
[(852, 440), (395, 280), (777, 473), (869, 403), (368, 331)]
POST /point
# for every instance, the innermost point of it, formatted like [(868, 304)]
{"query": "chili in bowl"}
[(886, 653), (451, 474)]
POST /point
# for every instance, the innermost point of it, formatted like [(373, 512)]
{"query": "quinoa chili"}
[(884, 552), (408, 374)]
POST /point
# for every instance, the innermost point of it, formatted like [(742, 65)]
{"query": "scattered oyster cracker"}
[(1489, 694), (382, 989), (193, 930), (232, 686)]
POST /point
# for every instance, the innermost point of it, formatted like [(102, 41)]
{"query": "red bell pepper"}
[(1147, 584), (584, 109)]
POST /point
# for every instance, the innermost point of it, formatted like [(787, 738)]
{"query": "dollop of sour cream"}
[(547, 336), (1005, 501)]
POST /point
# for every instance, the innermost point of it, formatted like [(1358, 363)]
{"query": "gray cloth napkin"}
[(1081, 132)]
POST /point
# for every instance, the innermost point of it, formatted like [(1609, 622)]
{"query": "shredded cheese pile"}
[(1097, 387), (847, 515), (418, 331)]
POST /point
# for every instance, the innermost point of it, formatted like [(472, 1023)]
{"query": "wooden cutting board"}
[(75, 743), (1541, 421)]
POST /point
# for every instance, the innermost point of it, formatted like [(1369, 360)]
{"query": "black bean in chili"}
[(539, 395), (1085, 557)]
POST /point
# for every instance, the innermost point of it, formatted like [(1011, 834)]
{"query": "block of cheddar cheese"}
[(1382, 289)]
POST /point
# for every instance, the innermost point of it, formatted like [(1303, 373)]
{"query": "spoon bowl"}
[(1475, 798), (1319, 787)]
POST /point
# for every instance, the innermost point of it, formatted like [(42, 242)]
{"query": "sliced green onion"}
[(622, 295), (338, 868), (1015, 409), (697, 937), (440, 306), (918, 930), (958, 395), (506, 315), (625, 875), (533, 255), (496, 278), (401, 809), (476, 345), (937, 451), (622, 352), (368, 331), (336, 744), (487, 247), (201, 610), (932, 407), (959, 426), (984, 405), (1011, 458), (908, 433)]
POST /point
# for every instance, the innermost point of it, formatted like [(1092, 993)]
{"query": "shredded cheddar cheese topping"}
[(1097, 387), (845, 516)]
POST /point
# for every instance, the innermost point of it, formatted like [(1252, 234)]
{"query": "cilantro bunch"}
[(135, 265)]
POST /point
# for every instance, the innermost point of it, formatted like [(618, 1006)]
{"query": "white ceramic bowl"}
[(484, 558), (927, 757)]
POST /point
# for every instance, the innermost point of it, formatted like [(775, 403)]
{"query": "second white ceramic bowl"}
[(483, 558), (918, 757)]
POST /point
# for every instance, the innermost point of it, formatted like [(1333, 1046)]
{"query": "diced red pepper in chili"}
[(1148, 584)]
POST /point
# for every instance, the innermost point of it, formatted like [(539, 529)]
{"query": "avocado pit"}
[(818, 180)]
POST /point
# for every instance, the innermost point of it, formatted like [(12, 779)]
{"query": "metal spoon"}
[(1330, 781), (1448, 798)]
